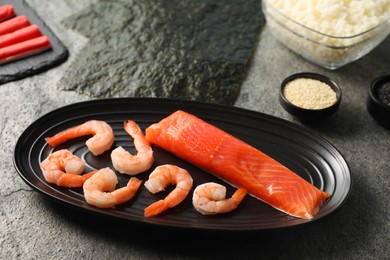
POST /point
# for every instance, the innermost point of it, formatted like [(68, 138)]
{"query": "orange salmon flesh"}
[(236, 162)]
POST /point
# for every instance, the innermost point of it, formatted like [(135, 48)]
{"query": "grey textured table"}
[(33, 227)]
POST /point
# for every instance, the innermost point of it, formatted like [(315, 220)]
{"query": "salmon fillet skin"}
[(237, 163)]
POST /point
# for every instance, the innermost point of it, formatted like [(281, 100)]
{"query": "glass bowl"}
[(325, 50)]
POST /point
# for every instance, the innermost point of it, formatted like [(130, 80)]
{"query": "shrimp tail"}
[(127, 193), (156, 208), (64, 136), (134, 183), (57, 139), (131, 127), (89, 175), (70, 180), (239, 195)]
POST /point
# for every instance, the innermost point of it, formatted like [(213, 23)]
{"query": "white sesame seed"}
[(310, 93)]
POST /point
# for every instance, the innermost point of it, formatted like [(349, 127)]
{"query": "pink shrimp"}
[(161, 177), (102, 140), (99, 190), (63, 169), (210, 199), (126, 163)]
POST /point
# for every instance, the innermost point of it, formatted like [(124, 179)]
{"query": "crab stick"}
[(24, 34), (6, 12), (23, 49), (14, 24)]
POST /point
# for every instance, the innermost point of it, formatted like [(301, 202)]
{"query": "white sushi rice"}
[(331, 33), (336, 17)]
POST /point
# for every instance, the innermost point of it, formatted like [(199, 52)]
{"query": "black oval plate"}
[(309, 155)]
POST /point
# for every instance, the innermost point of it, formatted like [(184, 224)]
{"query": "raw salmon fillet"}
[(236, 162)]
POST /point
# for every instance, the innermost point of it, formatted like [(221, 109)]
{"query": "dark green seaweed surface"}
[(188, 49)]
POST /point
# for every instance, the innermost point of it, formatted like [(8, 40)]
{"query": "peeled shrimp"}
[(102, 140), (160, 178), (99, 190), (63, 169), (210, 199), (126, 163)]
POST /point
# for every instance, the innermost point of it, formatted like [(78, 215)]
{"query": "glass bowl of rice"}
[(329, 33)]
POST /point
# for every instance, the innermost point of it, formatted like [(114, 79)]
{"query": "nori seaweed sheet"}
[(186, 49)]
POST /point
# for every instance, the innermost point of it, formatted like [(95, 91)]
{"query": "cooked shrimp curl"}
[(99, 190), (102, 140), (126, 163), (159, 179), (210, 199), (63, 169)]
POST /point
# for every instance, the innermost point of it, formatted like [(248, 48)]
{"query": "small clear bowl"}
[(331, 52)]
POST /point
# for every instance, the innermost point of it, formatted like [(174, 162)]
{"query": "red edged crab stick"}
[(14, 24), (24, 34), (6, 12), (236, 162), (26, 48)]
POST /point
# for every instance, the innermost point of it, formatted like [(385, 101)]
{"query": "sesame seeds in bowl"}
[(310, 96)]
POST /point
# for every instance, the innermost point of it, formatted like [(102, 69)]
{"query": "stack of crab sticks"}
[(19, 38)]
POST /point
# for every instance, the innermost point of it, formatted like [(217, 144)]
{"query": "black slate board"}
[(40, 62), (195, 50)]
